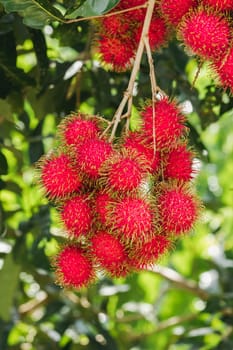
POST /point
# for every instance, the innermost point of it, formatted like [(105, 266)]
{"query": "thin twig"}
[(105, 15), (129, 91)]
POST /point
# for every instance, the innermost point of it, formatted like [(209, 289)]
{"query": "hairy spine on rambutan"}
[(76, 216), (109, 252), (91, 156), (224, 70), (58, 176), (124, 172), (178, 207), (207, 34), (73, 268), (220, 5), (167, 126), (78, 128), (173, 11), (101, 202), (178, 163), (132, 218)]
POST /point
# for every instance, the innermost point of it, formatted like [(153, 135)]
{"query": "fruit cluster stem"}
[(129, 91)]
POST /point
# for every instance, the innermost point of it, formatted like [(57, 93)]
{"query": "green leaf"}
[(3, 164), (36, 13), (9, 280), (93, 8)]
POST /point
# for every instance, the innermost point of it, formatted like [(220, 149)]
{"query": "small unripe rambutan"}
[(76, 215), (178, 164), (149, 252), (178, 209), (91, 156), (58, 177), (124, 172), (221, 5), (173, 11), (117, 52), (136, 142), (168, 123), (75, 129), (206, 34), (109, 251), (73, 268), (224, 69), (101, 202), (132, 218)]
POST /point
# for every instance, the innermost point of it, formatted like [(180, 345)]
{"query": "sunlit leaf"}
[(93, 8)]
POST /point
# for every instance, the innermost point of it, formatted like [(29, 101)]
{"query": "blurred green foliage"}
[(186, 303)]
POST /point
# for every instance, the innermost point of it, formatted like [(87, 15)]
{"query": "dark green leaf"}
[(3, 164), (93, 8), (36, 13)]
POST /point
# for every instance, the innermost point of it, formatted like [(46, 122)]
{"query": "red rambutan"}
[(224, 69), (168, 123), (117, 52), (102, 201), (173, 11), (136, 15), (75, 130), (178, 164), (58, 177), (109, 251), (92, 155), (221, 5), (132, 218), (115, 25), (206, 34), (178, 209), (76, 215), (73, 268)]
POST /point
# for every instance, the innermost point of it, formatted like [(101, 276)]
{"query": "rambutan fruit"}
[(109, 252), (178, 164), (168, 123), (148, 253), (136, 15), (76, 215), (224, 69), (221, 5), (134, 141), (132, 218), (75, 129), (115, 25), (91, 156), (73, 268), (178, 209), (124, 172), (173, 11), (101, 202), (58, 177), (207, 34), (117, 53)]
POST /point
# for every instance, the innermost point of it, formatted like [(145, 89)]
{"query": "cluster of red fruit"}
[(122, 203), (204, 26)]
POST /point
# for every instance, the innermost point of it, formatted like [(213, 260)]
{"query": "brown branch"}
[(179, 281)]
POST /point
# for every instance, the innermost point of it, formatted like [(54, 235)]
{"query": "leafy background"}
[(47, 69)]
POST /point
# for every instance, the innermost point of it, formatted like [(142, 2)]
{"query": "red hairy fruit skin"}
[(178, 164), (73, 268), (101, 203), (58, 177), (75, 130), (135, 141), (132, 218), (109, 251), (124, 172), (151, 251), (116, 25), (168, 123), (117, 52), (206, 34), (76, 215), (173, 11), (136, 15), (178, 209), (221, 5), (224, 70), (92, 155)]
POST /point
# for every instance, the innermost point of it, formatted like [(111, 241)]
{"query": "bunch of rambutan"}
[(122, 204), (205, 27)]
